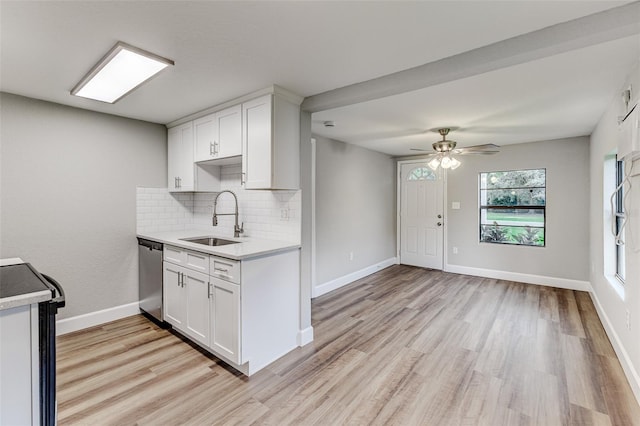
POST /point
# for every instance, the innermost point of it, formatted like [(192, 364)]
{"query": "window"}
[(619, 213), (512, 207), (422, 173)]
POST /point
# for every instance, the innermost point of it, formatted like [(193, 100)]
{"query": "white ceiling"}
[(224, 50)]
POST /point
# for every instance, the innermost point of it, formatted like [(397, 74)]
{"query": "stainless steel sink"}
[(209, 241)]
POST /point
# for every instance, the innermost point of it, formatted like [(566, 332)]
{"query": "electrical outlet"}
[(284, 214), (350, 256), (455, 250), (628, 320)]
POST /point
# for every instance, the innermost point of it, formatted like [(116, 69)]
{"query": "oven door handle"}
[(60, 301)]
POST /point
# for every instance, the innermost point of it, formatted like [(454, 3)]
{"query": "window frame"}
[(619, 215), (488, 207)]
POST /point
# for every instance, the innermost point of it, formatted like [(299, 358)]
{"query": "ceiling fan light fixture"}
[(446, 162), (434, 163), (455, 163)]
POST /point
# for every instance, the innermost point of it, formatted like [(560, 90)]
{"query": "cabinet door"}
[(180, 158), (228, 142), (173, 297), (256, 135), (204, 130), (196, 287), (225, 319)]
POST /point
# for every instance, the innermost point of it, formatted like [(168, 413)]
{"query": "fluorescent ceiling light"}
[(120, 71)]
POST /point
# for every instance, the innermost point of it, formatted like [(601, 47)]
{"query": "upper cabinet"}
[(219, 135), (180, 158), (261, 130), (271, 142), (183, 174)]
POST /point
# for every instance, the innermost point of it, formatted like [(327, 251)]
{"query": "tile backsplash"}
[(273, 215)]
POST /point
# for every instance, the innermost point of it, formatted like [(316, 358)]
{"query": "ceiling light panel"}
[(121, 70)]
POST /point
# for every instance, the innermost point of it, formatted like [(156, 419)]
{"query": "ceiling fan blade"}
[(422, 150), (464, 152), (486, 146)]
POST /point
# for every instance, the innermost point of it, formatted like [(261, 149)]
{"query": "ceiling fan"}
[(445, 149)]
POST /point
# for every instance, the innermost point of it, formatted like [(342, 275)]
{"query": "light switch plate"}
[(455, 205)]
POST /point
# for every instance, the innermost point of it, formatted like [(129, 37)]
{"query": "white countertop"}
[(247, 247)]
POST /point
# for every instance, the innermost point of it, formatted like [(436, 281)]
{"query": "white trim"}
[(313, 212), (305, 336), (520, 277), (349, 278), (80, 322), (627, 366)]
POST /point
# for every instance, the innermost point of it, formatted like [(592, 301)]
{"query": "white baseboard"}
[(305, 336), (632, 375), (91, 319), (325, 288), (522, 278)]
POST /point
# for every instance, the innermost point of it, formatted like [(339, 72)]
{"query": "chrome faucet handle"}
[(214, 220), (237, 230)]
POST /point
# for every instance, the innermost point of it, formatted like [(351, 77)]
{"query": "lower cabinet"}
[(186, 301), (225, 319), (245, 312)]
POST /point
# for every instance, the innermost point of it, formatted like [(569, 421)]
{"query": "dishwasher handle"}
[(151, 245)]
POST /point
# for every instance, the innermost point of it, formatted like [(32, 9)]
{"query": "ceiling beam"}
[(609, 25)]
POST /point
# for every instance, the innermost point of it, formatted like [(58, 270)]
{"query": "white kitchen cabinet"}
[(271, 143), (204, 130), (184, 175), (219, 135), (173, 298), (186, 302), (245, 312), (196, 286), (180, 171), (225, 319)]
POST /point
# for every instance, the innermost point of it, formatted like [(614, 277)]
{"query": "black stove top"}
[(16, 280)]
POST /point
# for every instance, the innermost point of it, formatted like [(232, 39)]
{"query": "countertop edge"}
[(25, 299), (279, 246)]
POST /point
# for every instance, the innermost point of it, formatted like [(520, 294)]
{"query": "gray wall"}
[(567, 215), (355, 208), (68, 196), (604, 142)]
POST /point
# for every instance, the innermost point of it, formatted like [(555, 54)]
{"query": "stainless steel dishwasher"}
[(150, 277)]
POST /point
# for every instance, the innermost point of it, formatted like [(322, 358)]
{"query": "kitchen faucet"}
[(237, 230)]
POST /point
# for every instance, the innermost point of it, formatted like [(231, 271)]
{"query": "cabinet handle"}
[(221, 270), (242, 178), (211, 152), (179, 182), (208, 290), (216, 148), (175, 182)]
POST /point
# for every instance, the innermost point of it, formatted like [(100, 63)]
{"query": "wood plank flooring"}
[(405, 346)]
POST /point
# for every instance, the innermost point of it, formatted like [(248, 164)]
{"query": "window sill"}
[(616, 285)]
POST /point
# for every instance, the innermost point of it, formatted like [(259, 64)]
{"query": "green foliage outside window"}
[(513, 207)]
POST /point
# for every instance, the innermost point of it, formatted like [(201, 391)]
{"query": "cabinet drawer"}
[(174, 255), (189, 259), (197, 261), (225, 269)]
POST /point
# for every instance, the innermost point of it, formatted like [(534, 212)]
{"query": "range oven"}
[(47, 342), (30, 302)]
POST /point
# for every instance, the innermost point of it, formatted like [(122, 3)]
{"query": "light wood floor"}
[(405, 346)]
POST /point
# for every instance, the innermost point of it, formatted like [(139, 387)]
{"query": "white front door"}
[(421, 216)]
